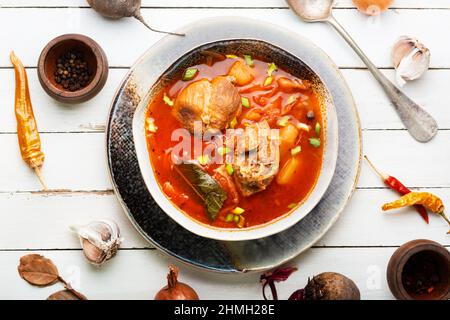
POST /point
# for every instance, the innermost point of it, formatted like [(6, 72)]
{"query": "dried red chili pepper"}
[(396, 185)]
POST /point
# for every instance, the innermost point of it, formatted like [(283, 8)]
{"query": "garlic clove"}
[(100, 240), (401, 49), (93, 254), (410, 58)]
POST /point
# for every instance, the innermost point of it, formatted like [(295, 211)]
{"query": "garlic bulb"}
[(99, 240), (410, 58)]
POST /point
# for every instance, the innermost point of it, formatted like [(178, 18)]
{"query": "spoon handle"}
[(417, 121)]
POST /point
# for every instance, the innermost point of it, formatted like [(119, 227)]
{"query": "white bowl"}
[(281, 58)]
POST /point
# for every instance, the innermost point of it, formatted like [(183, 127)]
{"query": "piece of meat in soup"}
[(214, 103), (257, 158)]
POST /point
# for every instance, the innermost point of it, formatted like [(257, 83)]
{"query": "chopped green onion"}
[(296, 150), (223, 150), (233, 123), (292, 205), (151, 125), (268, 81), (236, 219), (283, 121), (203, 160), (167, 100), (229, 217), (315, 142), (245, 102), (229, 169), (231, 56), (248, 60), (317, 128), (190, 74), (271, 69), (238, 210)]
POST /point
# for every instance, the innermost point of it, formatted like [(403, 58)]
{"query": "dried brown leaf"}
[(67, 295), (38, 270)]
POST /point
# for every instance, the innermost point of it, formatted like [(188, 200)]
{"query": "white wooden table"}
[(359, 245)]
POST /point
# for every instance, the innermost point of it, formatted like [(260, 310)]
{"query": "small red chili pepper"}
[(396, 185)]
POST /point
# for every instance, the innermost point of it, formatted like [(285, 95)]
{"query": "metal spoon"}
[(417, 121)]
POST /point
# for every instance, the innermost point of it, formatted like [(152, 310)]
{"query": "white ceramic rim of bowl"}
[(234, 234)]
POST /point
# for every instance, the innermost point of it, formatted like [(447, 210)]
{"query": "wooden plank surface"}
[(73, 161), (53, 116), (139, 274), (218, 3), (374, 107), (426, 25), (360, 243), (78, 161), (44, 221)]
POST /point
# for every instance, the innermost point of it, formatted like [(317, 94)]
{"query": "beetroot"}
[(117, 9), (331, 286), (325, 286)]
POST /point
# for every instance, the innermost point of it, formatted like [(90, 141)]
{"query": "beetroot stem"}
[(273, 289), (139, 17)]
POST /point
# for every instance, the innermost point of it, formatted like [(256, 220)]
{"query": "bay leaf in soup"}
[(205, 186)]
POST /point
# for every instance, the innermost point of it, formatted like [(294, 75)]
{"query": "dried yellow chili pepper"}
[(428, 200), (27, 131)]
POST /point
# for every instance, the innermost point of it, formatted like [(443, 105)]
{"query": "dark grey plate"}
[(166, 234)]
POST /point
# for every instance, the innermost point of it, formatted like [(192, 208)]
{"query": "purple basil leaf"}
[(278, 275), (269, 278)]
